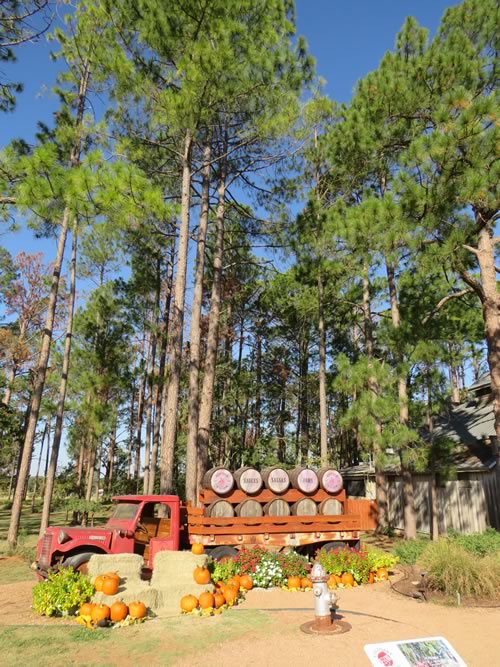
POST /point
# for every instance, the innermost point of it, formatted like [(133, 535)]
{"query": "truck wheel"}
[(330, 546), (79, 562), (223, 554)]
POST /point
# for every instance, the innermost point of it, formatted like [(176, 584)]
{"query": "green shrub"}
[(346, 559), (451, 569), (409, 551), (223, 571), (61, 592), (378, 558), (479, 544)]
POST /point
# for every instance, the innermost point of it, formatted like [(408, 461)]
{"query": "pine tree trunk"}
[(43, 359), (54, 455), (410, 518), (149, 406), (195, 335), (205, 416), (258, 388), (35, 484), (304, 400), (323, 434), (140, 410), (433, 518), (176, 327), (79, 470), (111, 461), (90, 471), (161, 387), (380, 480), (130, 447)]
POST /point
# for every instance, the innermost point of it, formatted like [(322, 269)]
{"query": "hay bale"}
[(175, 566), (128, 566)]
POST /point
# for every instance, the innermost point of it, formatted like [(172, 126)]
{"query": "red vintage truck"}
[(145, 525)]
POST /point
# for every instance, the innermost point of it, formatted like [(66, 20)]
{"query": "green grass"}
[(158, 642), (12, 571)]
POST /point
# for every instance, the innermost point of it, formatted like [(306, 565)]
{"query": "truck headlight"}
[(63, 537)]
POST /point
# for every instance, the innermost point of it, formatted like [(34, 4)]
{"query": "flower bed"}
[(347, 567)]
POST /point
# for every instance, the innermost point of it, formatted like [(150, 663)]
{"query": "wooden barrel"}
[(220, 508), (304, 479), (248, 480), (330, 480), (330, 506), (276, 479), (305, 507), (277, 507), (249, 507), (220, 480)]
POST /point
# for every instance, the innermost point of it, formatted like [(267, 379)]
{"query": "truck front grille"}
[(44, 561)]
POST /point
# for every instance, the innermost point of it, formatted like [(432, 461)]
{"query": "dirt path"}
[(375, 614)]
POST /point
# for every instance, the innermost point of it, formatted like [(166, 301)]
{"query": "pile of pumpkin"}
[(346, 580), (93, 615), (223, 595), (298, 584)]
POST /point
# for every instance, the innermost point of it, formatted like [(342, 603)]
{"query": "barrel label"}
[(307, 481), (278, 480), (332, 481), (221, 481), (251, 481)]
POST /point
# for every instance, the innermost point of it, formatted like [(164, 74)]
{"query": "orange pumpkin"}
[(86, 609), (98, 582), (347, 579), (338, 578), (230, 587), (110, 586), (294, 582), (207, 600), (236, 580), (137, 609), (201, 575), (332, 581), (118, 611), (100, 612), (382, 573), (230, 594), (219, 599), (371, 578), (112, 575), (197, 549), (246, 582), (188, 603), (219, 584), (305, 582)]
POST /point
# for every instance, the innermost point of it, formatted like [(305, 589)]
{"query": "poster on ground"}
[(426, 652)]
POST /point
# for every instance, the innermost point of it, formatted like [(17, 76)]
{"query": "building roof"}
[(483, 381), (468, 422)]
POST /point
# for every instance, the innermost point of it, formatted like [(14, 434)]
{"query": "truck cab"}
[(143, 525)]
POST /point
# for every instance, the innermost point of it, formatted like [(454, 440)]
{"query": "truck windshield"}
[(124, 511)]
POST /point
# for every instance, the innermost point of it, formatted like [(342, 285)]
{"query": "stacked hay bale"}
[(172, 578)]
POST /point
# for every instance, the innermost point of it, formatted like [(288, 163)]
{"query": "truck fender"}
[(79, 561), (223, 553)]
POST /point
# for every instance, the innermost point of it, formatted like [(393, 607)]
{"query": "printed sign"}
[(427, 652)]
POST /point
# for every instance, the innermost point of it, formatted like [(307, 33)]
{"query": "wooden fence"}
[(469, 504)]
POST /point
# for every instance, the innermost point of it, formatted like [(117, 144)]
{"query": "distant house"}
[(468, 503)]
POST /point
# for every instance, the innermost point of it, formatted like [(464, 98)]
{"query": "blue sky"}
[(347, 37)]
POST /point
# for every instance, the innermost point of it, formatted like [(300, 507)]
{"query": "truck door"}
[(156, 530)]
